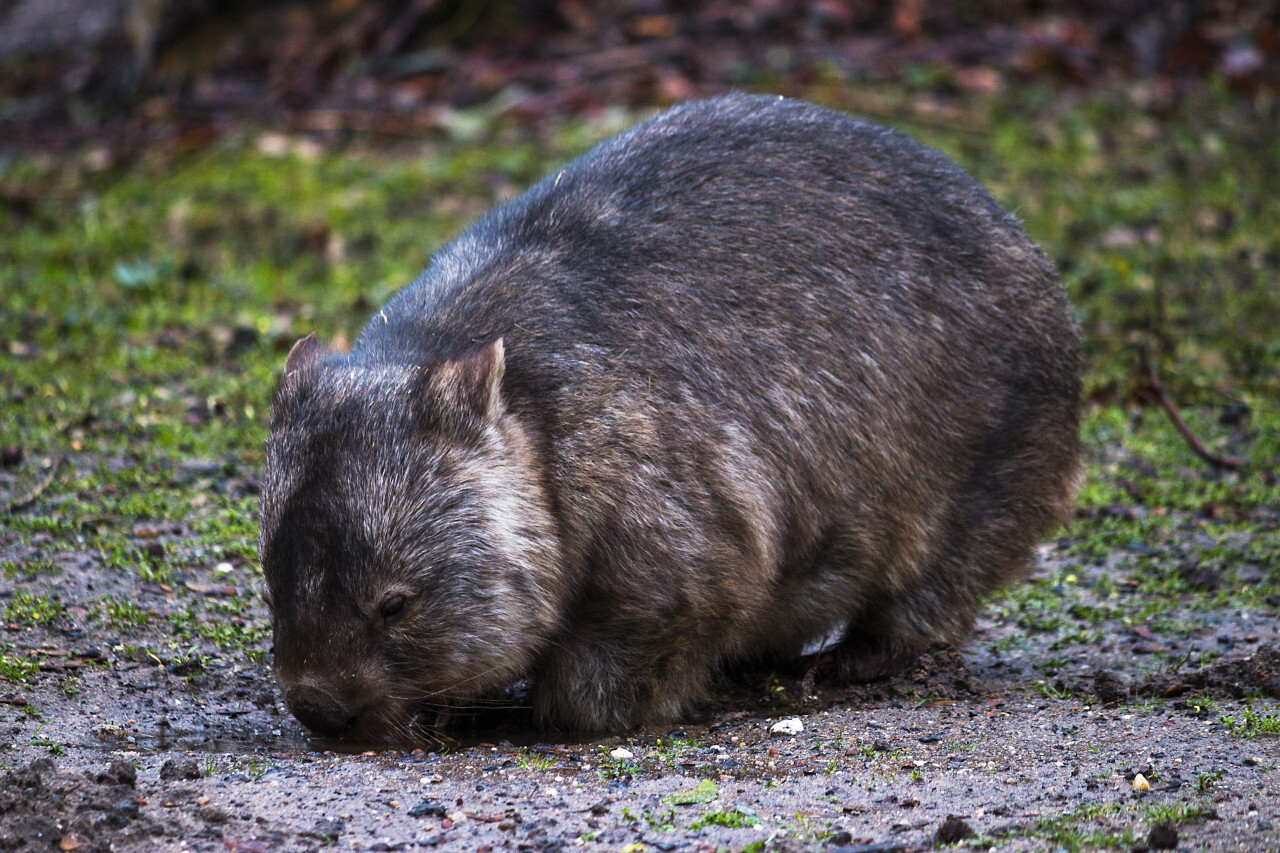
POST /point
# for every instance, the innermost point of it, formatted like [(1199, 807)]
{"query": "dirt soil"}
[(1013, 743)]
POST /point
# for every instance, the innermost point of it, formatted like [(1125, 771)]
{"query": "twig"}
[(394, 36), (359, 24), (1162, 397), (24, 501)]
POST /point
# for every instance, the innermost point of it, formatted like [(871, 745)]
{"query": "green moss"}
[(1176, 812), (733, 819)]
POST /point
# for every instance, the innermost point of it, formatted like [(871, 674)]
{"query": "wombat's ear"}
[(305, 353), (468, 388)]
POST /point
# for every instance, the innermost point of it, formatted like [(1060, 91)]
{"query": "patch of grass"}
[(30, 569), (615, 768), (150, 306), (535, 761), (734, 818), (252, 767), (1207, 779), (662, 821), (1051, 691), (38, 740), (220, 624), (120, 615), (1175, 812), (1077, 830), (671, 750), (17, 668), (808, 829), (1253, 724), (28, 611)]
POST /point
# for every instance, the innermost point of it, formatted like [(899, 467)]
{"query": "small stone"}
[(179, 768), (109, 731), (1202, 578), (29, 780), (328, 830), (952, 830), (1109, 688), (121, 813), (1163, 836), (622, 752), (213, 814), (1140, 783), (432, 808), (789, 726), (120, 772)]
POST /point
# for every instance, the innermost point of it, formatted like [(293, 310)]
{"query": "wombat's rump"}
[(745, 373)]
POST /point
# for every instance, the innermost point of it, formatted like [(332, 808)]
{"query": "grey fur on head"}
[(746, 373)]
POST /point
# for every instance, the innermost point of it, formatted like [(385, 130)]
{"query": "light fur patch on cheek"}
[(517, 527)]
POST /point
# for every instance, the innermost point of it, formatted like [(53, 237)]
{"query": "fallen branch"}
[(24, 501), (348, 36), (1162, 397), (395, 35)]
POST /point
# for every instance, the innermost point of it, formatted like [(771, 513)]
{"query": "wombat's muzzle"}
[(318, 710)]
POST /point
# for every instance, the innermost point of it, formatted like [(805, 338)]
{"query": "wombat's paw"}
[(863, 657)]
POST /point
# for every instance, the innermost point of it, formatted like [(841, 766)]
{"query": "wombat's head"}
[(410, 561)]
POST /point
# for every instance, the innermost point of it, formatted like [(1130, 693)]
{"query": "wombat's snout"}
[(318, 710)]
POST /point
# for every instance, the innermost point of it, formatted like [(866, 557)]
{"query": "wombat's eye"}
[(392, 609)]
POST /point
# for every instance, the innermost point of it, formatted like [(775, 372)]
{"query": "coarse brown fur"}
[(747, 373)]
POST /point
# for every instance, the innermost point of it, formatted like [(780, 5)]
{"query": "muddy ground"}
[(1031, 738)]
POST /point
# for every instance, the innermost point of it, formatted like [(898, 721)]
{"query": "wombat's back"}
[(780, 370)]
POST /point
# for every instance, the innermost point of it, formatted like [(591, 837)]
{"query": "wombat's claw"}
[(807, 696)]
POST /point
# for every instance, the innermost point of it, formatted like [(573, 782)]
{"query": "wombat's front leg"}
[(609, 679)]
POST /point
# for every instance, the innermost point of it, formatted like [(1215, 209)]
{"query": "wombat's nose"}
[(317, 710)]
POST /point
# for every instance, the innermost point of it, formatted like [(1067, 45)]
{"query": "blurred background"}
[(131, 71)]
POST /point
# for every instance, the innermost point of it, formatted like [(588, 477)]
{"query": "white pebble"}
[(789, 726)]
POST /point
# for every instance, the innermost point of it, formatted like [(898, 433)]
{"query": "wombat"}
[(744, 374)]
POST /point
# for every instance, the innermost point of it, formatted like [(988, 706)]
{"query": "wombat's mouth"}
[(372, 721), (381, 714), (319, 710)]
